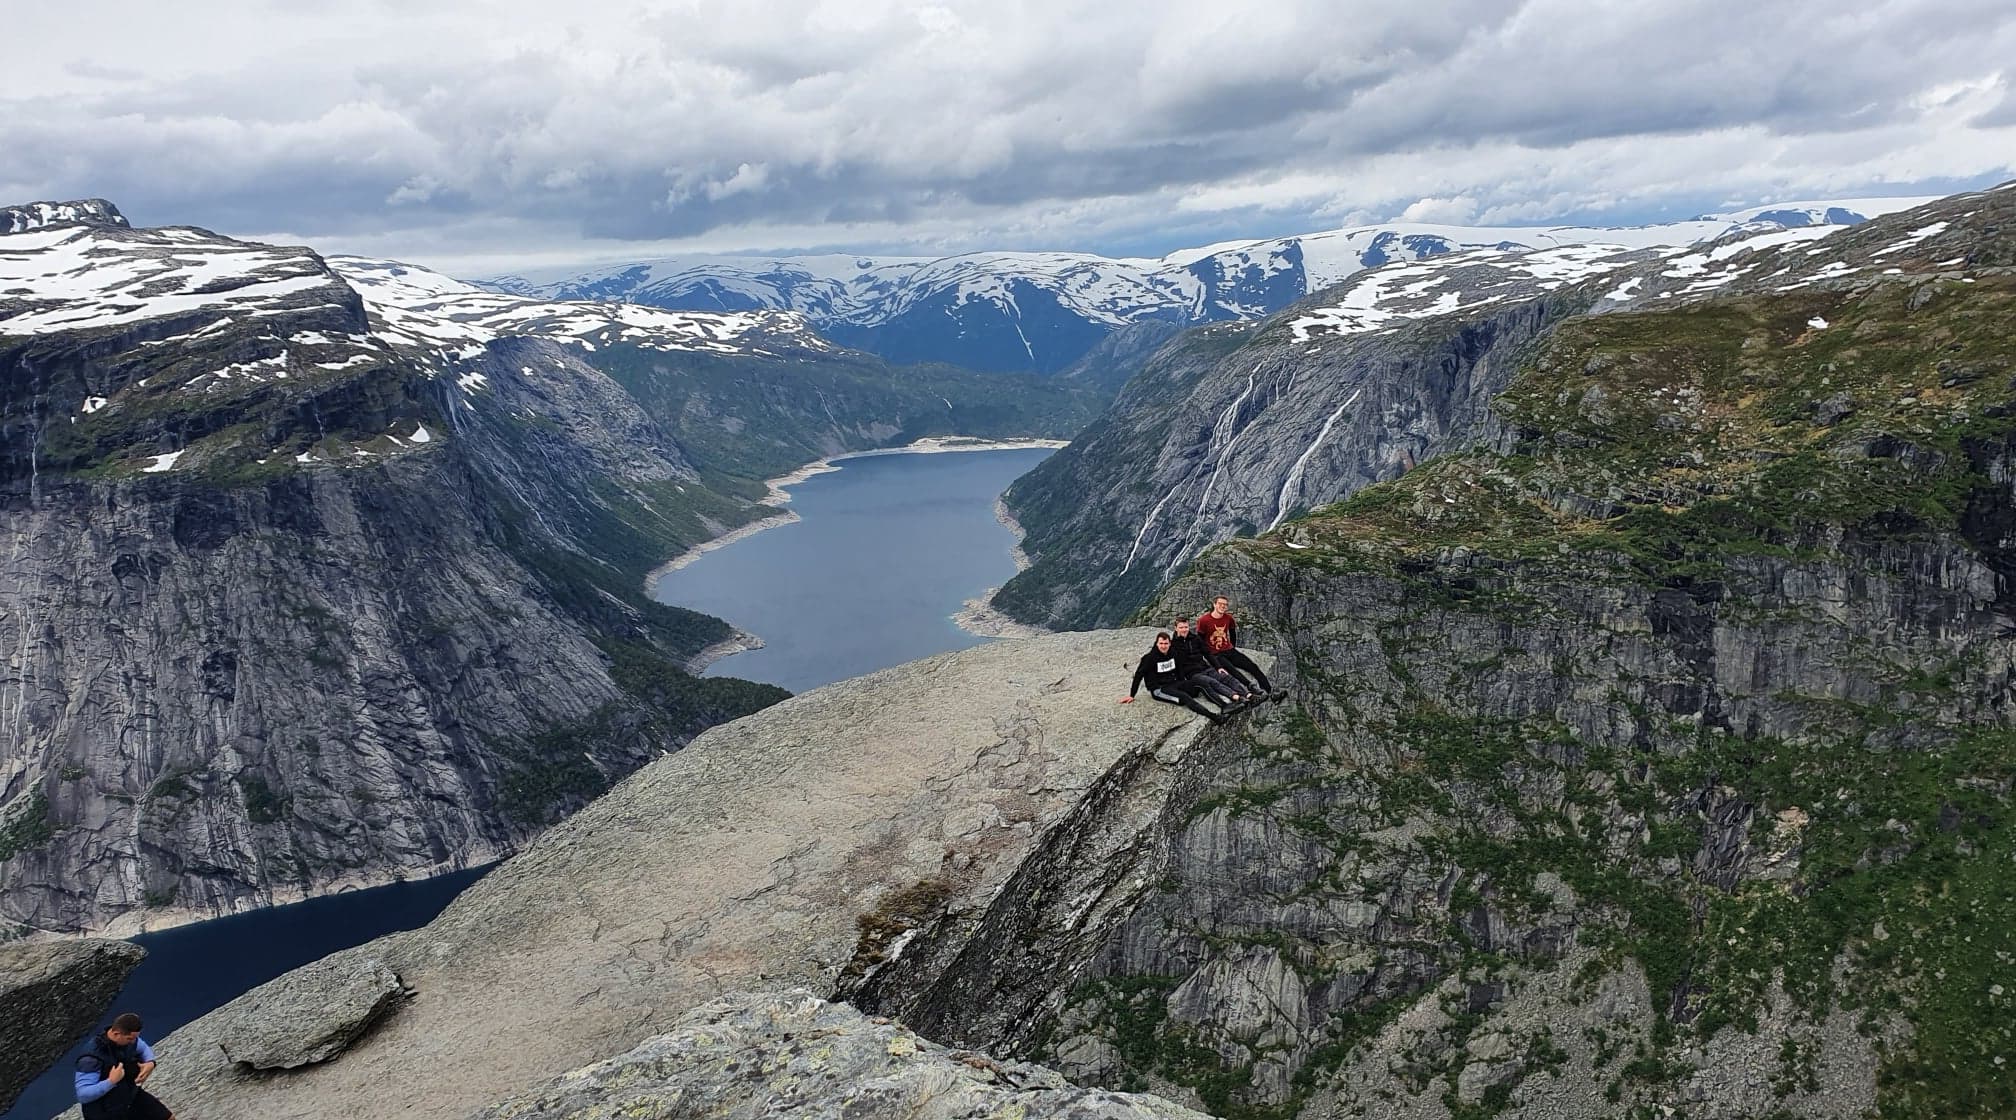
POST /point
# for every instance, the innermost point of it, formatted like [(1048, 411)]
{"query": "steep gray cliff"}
[(884, 820), (50, 996), (1229, 430), (225, 695)]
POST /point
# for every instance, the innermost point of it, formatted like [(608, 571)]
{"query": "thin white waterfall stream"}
[(1281, 506)]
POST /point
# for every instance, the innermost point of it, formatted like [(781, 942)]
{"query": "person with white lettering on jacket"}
[(1157, 670)]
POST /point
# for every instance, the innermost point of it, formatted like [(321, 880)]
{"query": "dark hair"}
[(1175, 622), (127, 1021), (1161, 634)]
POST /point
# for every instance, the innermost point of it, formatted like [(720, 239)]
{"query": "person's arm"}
[(1232, 632), (1139, 668), (146, 1061), (89, 1085)]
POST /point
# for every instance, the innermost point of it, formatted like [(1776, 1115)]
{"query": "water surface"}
[(887, 549), (194, 969)]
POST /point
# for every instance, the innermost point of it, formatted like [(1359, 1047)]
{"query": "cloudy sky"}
[(490, 136)]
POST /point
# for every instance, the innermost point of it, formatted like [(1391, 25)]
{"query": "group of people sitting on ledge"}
[(1186, 667)]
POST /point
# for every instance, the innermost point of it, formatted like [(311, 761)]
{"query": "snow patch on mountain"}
[(67, 277), (1389, 297), (36, 215), (982, 309), (429, 311)]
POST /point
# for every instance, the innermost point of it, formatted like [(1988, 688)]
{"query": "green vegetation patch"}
[(262, 804), (1680, 438), (27, 826)]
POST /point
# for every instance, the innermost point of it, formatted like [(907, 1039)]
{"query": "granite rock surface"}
[(791, 1054), (51, 994), (311, 1016), (819, 844)]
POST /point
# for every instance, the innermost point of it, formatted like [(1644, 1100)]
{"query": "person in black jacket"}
[(1198, 666), (1158, 671), (109, 1075)]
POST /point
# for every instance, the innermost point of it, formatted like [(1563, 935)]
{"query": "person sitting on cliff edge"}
[(1158, 669), (1221, 636), (1196, 664), (109, 1075)]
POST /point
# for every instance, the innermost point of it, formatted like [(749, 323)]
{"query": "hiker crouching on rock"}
[(111, 1071), (1158, 670), (1221, 636), (1195, 664)]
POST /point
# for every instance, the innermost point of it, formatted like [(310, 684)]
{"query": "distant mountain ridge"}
[(1043, 311)]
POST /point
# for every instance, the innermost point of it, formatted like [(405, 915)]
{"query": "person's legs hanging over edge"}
[(1176, 696)]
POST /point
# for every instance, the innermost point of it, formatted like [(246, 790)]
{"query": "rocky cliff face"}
[(1234, 429), (1655, 759), (284, 612), (308, 588), (1230, 430)]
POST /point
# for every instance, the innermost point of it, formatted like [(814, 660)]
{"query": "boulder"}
[(312, 1015), (51, 994)]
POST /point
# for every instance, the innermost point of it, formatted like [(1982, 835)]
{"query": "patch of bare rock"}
[(753, 1057)]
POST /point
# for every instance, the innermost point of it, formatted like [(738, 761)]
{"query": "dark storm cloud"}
[(951, 125)]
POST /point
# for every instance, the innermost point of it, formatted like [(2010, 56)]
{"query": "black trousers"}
[(1243, 668), (1176, 696), (142, 1105), (1221, 689)]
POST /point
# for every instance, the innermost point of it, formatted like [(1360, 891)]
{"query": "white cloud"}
[(450, 132), (1456, 211), (748, 177)]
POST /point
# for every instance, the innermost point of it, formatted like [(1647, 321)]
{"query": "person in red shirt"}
[(1221, 636)]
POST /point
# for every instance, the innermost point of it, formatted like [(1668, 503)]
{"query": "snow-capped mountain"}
[(35, 215), (427, 310), (209, 316), (71, 267), (1042, 311)]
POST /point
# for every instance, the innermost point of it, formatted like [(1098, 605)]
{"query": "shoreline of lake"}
[(779, 496), (145, 922), (978, 615), (884, 561), (738, 641)]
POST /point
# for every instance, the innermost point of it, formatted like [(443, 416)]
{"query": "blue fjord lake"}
[(887, 549)]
